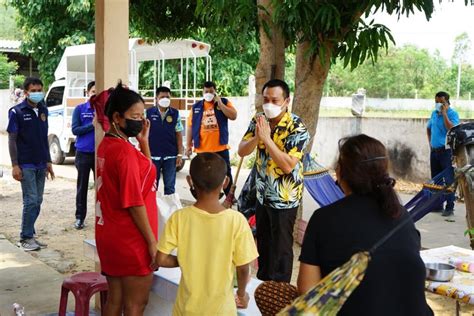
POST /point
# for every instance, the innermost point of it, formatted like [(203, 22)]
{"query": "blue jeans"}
[(84, 164), (168, 168), (440, 159), (32, 186)]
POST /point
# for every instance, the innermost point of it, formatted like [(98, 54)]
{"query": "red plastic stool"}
[(83, 286)]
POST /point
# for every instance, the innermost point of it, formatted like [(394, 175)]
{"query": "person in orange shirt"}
[(208, 126)]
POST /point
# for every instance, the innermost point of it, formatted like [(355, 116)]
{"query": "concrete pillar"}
[(111, 47), (111, 54), (111, 43)]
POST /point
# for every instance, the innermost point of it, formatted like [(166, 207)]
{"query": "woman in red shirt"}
[(126, 211)]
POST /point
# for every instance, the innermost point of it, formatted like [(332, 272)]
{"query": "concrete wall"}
[(405, 140), (393, 104)]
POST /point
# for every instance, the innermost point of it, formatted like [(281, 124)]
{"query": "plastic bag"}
[(167, 205), (247, 201)]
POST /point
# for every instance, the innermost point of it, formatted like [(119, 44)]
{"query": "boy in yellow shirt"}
[(212, 242)]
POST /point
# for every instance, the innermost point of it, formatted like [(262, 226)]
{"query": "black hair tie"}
[(386, 181)]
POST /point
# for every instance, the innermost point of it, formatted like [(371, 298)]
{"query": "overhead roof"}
[(9, 46)]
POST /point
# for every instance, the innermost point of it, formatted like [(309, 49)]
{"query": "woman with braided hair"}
[(394, 280)]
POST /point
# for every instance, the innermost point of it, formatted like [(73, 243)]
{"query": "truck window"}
[(55, 96)]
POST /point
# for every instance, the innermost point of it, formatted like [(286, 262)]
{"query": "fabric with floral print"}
[(276, 189)]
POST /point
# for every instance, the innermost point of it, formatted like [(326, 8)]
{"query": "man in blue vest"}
[(442, 119), (29, 152), (166, 138), (83, 128), (208, 126)]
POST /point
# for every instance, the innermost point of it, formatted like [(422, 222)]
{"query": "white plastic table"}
[(461, 287)]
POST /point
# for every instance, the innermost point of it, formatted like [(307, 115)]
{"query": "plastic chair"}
[(83, 286)]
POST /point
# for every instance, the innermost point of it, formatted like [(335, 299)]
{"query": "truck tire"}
[(181, 166), (57, 155)]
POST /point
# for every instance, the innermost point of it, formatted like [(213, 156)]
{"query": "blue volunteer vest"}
[(32, 140), (162, 137), (222, 121)]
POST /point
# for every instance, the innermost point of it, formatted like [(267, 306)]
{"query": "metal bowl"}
[(440, 272)]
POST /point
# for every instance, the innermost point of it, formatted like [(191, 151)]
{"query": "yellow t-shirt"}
[(209, 133), (210, 246)]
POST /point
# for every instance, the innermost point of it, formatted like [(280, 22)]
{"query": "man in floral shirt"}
[(280, 138)]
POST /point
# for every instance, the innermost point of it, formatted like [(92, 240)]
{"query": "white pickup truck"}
[(182, 65)]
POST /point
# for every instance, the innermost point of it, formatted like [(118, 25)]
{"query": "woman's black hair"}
[(363, 165), (120, 100)]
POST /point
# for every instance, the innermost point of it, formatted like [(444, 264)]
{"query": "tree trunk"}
[(310, 76), (465, 155), (271, 64)]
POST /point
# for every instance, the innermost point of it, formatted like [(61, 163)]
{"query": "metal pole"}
[(181, 80), (85, 68), (187, 67), (458, 87), (158, 71), (162, 63), (67, 87), (154, 80), (195, 79), (163, 72), (210, 67)]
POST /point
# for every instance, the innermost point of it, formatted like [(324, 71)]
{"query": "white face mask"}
[(164, 102), (208, 97), (272, 110)]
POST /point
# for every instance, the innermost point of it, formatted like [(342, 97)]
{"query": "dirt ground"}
[(54, 225), (65, 244)]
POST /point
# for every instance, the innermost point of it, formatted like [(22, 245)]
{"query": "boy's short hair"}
[(208, 171), (31, 81)]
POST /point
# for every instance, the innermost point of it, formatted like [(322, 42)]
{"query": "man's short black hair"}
[(210, 84), (31, 81), (278, 83), (163, 89), (208, 171), (442, 94), (90, 85)]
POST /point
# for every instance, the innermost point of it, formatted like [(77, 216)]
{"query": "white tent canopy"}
[(75, 57)]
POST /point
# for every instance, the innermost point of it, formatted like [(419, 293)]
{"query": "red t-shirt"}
[(125, 178)]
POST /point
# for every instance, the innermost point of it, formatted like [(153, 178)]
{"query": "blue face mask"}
[(36, 97), (438, 106)]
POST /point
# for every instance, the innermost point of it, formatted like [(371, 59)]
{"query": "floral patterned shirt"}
[(276, 189)]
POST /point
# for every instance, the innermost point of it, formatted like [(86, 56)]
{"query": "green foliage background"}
[(7, 68), (8, 28), (46, 27)]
